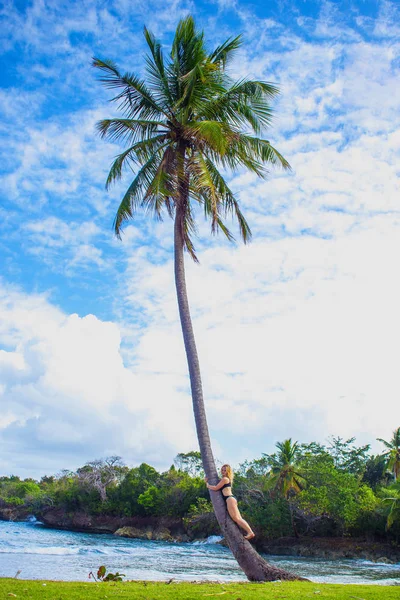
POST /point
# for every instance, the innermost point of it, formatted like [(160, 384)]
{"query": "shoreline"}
[(176, 531)]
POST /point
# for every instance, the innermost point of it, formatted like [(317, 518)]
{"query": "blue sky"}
[(297, 332)]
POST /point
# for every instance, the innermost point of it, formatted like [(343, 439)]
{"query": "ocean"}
[(42, 553)]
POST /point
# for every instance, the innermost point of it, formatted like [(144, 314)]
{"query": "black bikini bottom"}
[(226, 497)]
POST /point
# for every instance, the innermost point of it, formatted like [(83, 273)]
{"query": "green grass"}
[(140, 590)]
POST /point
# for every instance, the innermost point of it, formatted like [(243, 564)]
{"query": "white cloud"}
[(67, 396), (50, 236), (301, 327), (68, 161)]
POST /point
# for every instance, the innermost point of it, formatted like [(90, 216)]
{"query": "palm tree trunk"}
[(253, 565), (295, 532)]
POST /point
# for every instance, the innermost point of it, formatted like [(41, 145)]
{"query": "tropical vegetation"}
[(301, 485)]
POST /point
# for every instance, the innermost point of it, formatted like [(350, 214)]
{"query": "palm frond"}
[(140, 153), (135, 99), (253, 153), (108, 66), (223, 53), (208, 191), (129, 130), (187, 47), (237, 155), (230, 202), (387, 444), (161, 189), (156, 70), (245, 101), (267, 153), (216, 196), (189, 230), (135, 193), (225, 230), (217, 136)]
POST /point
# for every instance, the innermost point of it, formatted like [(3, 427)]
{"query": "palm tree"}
[(181, 125), (394, 511), (393, 453), (284, 475)]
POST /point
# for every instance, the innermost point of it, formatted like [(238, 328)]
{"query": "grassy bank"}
[(139, 590)]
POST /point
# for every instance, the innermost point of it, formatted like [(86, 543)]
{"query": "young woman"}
[(225, 485)]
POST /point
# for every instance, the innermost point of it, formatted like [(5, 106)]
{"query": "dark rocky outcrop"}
[(158, 533), (332, 548), (202, 526), (8, 512), (140, 527)]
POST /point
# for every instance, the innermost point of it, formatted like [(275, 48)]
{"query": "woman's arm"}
[(219, 485)]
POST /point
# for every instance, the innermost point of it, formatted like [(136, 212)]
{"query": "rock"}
[(181, 539), (202, 526), (13, 513), (384, 560), (162, 528), (131, 532), (331, 548), (160, 534), (7, 514), (163, 535)]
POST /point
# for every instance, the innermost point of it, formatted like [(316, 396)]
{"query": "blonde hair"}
[(229, 472)]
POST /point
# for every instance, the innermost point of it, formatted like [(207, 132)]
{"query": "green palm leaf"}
[(393, 453), (225, 52), (135, 193), (156, 70)]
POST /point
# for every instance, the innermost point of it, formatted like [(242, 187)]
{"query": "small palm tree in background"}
[(284, 476), (394, 510), (393, 453), (181, 125)]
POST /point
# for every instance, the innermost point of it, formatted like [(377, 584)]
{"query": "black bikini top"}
[(226, 485)]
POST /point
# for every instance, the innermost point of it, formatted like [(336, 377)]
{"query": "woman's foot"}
[(250, 535)]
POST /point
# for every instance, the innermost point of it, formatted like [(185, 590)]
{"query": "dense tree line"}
[(302, 489)]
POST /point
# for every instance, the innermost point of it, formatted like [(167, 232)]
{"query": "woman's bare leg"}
[(235, 515)]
